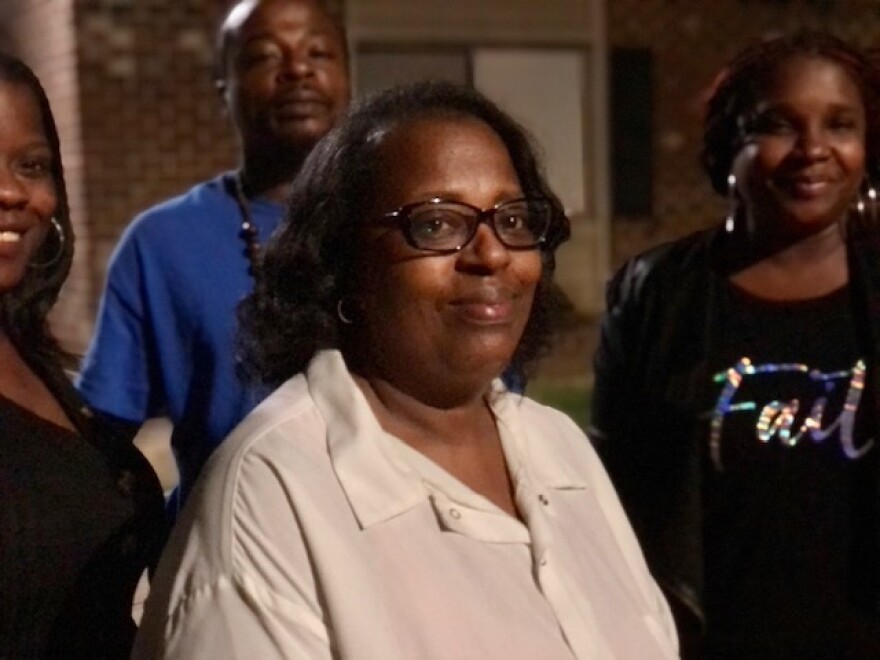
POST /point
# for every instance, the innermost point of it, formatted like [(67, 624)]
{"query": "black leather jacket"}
[(651, 368)]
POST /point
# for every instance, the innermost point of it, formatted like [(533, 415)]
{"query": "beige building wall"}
[(499, 21), (508, 40)]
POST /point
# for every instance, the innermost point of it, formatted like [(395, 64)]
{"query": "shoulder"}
[(559, 438), (662, 267), (669, 259), (540, 416), (283, 427), (281, 437), (240, 519), (172, 235), (202, 200)]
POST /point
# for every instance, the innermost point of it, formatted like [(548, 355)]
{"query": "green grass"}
[(572, 398)]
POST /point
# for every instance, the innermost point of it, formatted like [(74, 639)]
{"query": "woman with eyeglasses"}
[(81, 511), (391, 499)]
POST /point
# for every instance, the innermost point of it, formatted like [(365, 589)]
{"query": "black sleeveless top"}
[(81, 517)]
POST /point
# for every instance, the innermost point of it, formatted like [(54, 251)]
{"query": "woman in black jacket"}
[(81, 512), (736, 393)]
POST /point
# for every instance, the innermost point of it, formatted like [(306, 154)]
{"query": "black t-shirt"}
[(789, 485)]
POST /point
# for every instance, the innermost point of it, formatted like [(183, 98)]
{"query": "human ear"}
[(222, 90)]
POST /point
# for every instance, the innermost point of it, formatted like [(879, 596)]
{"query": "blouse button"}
[(455, 513)]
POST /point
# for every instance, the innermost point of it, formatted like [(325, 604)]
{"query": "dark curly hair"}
[(731, 110), (23, 310), (309, 263)]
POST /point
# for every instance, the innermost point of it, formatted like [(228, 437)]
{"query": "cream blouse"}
[(315, 534)]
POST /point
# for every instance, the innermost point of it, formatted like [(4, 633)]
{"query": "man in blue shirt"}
[(164, 342)]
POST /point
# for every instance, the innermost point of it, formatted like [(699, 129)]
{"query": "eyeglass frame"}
[(483, 216)]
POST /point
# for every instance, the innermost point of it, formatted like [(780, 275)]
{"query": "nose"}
[(296, 66), (485, 252), (813, 143), (13, 193)]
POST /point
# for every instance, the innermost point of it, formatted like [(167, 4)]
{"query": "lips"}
[(13, 227), (809, 187), (20, 233), (301, 103), (11, 243), (488, 307)]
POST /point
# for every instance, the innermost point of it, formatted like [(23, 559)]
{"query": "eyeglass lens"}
[(450, 226)]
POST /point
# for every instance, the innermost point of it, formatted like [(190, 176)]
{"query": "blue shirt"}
[(164, 341)]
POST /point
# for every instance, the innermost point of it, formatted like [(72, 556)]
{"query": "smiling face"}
[(286, 76), (804, 157), (27, 189), (434, 320)]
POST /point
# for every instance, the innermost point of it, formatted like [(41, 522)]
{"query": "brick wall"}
[(152, 123)]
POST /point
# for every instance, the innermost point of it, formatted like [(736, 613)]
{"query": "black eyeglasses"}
[(441, 226)]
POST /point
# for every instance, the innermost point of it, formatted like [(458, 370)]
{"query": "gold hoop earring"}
[(62, 240)]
